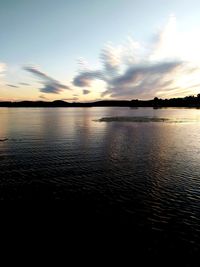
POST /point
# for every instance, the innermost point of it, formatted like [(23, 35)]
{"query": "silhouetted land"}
[(189, 101)]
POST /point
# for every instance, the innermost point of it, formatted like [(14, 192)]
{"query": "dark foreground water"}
[(140, 167)]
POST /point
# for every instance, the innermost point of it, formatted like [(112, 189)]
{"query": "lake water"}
[(145, 173)]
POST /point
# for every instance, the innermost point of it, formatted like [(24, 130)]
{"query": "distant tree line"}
[(188, 101)]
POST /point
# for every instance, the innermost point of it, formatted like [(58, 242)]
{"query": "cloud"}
[(111, 58), (83, 65), (86, 92), (164, 79), (25, 84), (141, 80), (43, 97), (13, 86), (85, 78), (166, 43), (132, 70), (137, 73), (50, 85), (3, 68), (64, 99), (70, 99)]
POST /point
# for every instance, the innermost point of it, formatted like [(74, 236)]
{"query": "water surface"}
[(144, 172)]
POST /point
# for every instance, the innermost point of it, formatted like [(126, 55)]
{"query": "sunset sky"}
[(110, 49)]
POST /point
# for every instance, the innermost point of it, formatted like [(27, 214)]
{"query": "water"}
[(140, 173)]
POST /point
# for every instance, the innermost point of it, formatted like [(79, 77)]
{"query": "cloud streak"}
[(50, 85), (70, 99), (3, 69), (24, 84), (85, 78), (86, 92), (12, 86), (111, 58), (141, 80)]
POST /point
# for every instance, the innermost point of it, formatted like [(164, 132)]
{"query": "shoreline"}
[(102, 106), (156, 103)]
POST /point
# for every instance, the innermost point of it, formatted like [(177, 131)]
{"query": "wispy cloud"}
[(3, 69), (70, 99), (50, 85), (13, 86), (111, 58), (24, 84), (141, 80), (133, 70), (86, 92), (43, 97), (85, 78)]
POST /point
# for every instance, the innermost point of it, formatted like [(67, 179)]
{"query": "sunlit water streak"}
[(142, 171)]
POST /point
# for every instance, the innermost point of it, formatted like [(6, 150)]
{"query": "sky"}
[(86, 50)]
